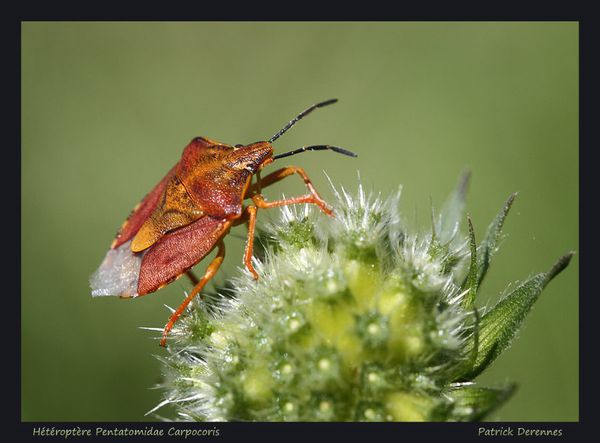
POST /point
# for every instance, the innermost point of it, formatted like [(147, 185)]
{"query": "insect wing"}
[(118, 274), (177, 251), (175, 210), (128, 274), (141, 212), (119, 271)]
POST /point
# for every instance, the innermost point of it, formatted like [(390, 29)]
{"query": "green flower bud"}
[(352, 318)]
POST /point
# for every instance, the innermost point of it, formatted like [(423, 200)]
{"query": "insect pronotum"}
[(187, 214)]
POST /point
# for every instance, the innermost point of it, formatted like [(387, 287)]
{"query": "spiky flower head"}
[(353, 318)]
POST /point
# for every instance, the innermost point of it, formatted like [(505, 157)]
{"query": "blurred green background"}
[(108, 107)]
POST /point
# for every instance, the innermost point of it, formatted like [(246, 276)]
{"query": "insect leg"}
[(210, 273), (280, 174), (260, 201), (251, 210)]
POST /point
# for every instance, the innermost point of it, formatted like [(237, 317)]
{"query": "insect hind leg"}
[(211, 270)]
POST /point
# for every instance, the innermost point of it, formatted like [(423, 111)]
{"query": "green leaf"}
[(473, 403), (558, 267), (471, 282), (500, 324), (489, 243), (453, 209)]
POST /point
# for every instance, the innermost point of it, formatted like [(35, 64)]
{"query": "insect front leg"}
[(280, 174), (211, 270)]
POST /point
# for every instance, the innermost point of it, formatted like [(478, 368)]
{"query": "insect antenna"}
[(317, 148), (301, 116)]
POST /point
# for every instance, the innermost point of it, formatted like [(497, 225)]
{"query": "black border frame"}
[(575, 431)]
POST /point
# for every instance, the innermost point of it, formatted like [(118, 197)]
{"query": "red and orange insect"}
[(191, 209)]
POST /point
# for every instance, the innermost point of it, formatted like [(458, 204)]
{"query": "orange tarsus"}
[(211, 270)]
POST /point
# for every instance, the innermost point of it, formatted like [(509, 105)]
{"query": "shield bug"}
[(191, 209)]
